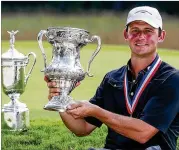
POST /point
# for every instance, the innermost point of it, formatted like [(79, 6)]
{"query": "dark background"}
[(169, 7)]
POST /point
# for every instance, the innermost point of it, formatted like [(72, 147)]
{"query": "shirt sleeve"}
[(163, 107), (97, 100)]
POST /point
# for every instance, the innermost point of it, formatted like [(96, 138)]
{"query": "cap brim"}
[(145, 19)]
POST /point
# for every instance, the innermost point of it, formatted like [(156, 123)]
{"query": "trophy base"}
[(15, 117), (58, 103)]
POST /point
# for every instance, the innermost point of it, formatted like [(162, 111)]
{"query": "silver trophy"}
[(14, 80), (65, 67)]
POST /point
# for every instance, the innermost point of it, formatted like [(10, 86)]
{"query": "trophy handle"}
[(29, 73), (95, 37), (39, 39)]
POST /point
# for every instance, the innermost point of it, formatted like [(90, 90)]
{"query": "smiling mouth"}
[(141, 44)]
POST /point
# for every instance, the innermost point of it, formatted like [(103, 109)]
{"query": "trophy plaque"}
[(15, 114), (65, 68)]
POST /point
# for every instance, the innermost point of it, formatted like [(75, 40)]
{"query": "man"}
[(139, 103)]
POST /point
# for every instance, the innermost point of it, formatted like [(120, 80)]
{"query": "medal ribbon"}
[(131, 105)]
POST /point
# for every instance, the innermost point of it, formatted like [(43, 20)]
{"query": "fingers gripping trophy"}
[(14, 80), (65, 68)]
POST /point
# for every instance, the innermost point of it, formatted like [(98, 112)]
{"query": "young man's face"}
[(143, 38)]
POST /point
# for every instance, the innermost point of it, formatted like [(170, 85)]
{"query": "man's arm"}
[(78, 126), (133, 128)]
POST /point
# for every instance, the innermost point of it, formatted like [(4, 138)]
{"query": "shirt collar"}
[(129, 66)]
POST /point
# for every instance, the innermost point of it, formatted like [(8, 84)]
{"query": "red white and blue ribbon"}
[(131, 104)]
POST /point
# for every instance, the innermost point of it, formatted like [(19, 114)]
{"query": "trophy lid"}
[(12, 53)]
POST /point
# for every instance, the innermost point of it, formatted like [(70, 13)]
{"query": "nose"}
[(141, 35)]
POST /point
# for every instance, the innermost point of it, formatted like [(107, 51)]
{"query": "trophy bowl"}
[(14, 80), (65, 68)]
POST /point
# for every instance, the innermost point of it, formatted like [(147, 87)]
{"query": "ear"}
[(162, 36), (125, 34)]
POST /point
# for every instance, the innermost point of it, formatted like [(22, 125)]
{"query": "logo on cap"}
[(142, 11)]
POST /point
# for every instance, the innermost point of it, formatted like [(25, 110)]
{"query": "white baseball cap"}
[(147, 14)]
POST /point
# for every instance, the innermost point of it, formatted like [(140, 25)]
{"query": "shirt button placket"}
[(132, 93)]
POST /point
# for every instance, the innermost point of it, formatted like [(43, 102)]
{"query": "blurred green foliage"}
[(109, 26)]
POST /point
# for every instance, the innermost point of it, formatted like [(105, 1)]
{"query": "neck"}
[(140, 63)]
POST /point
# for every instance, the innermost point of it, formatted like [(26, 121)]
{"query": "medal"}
[(131, 104)]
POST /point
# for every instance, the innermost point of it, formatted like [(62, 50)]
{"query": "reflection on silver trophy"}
[(14, 80), (65, 67)]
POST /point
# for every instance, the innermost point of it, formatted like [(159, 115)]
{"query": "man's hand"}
[(54, 90), (81, 109)]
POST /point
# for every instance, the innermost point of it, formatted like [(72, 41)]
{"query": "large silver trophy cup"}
[(65, 67), (14, 80)]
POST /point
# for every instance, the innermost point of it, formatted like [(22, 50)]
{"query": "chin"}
[(143, 50), (143, 53)]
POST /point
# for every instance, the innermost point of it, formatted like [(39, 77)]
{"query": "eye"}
[(134, 31), (148, 31)]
